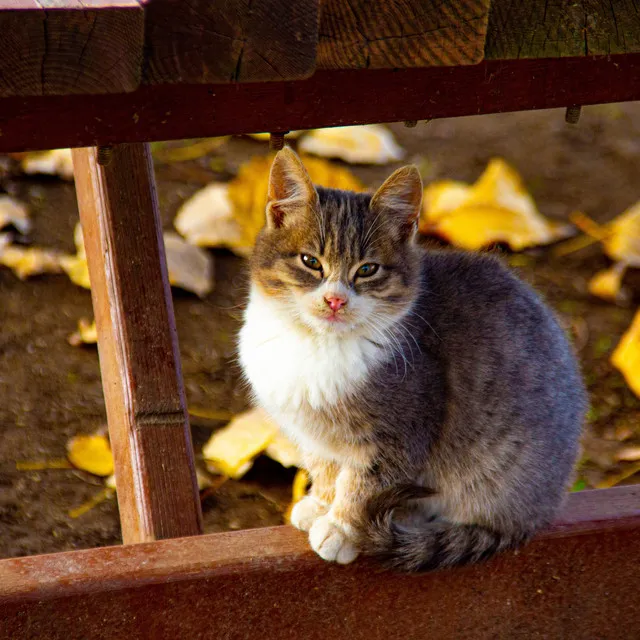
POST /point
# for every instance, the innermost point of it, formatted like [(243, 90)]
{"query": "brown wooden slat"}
[(577, 581), (139, 359), (329, 98), (378, 34), (556, 28), (52, 47), (230, 41)]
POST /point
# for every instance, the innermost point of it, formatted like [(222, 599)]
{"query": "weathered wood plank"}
[(139, 359), (329, 98), (556, 28), (230, 40), (577, 581), (52, 47), (378, 34)]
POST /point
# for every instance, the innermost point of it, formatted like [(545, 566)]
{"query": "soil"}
[(51, 391)]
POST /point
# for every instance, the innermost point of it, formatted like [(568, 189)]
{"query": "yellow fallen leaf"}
[(264, 137), (231, 450), (607, 284), (207, 219), (282, 450), (14, 213), (28, 261), (100, 497), (76, 266), (86, 333), (622, 241), (188, 151), (57, 162), (91, 453), (36, 465), (190, 267), (299, 489), (231, 215), (364, 144), (497, 208), (626, 356)]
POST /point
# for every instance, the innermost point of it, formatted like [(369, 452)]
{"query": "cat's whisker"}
[(411, 312)]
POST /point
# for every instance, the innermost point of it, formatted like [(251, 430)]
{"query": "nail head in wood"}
[(276, 141), (105, 155), (572, 114)]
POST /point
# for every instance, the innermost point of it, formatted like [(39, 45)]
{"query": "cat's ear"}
[(401, 197), (291, 192)]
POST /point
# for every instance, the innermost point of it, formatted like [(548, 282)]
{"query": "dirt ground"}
[(51, 391)]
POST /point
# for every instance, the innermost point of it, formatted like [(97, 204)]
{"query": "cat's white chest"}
[(295, 374)]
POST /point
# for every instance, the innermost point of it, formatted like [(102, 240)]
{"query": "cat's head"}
[(338, 262)]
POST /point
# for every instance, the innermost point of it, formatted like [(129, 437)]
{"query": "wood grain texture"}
[(329, 98), (52, 47), (556, 28), (138, 345), (577, 581), (230, 40), (378, 34)]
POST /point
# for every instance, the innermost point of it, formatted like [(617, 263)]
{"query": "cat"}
[(434, 397)]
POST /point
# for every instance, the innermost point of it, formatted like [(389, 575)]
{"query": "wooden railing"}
[(83, 73)]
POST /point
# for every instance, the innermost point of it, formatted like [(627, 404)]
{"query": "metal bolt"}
[(276, 140), (105, 154), (410, 124), (572, 114)]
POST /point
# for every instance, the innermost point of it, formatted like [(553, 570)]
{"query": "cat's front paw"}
[(331, 541), (306, 512)]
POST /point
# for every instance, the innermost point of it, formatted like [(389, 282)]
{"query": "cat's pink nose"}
[(335, 302)]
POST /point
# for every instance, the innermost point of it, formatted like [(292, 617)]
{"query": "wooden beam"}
[(557, 28), (579, 580), (378, 34), (329, 98), (138, 345), (230, 41), (50, 47)]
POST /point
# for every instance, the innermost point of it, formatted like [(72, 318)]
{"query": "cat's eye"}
[(311, 262), (367, 270)]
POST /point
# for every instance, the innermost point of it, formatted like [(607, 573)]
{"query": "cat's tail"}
[(431, 545)]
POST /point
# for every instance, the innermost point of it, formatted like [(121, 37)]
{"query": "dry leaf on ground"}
[(299, 489), (621, 242), (264, 137), (76, 266), (497, 208), (231, 450), (57, 162), (190, 150), (190, 267), (91, 453), (365, 144), (282, 450), (14, 213), (626, 356), (231, 215), (28, 261), (86, 333)]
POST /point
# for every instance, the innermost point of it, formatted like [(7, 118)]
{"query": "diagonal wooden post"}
[(137, 341)]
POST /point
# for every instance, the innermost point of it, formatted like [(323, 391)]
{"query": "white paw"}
[(330, 541), (306, 512)]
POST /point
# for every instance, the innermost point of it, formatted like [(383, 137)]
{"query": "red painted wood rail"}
[(578, 580), (329, 98)]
